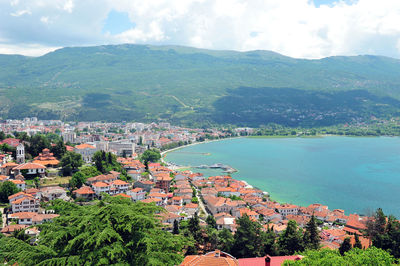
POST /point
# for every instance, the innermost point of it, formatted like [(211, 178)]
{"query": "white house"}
[(137, 194), (30, 169), (86, 150)]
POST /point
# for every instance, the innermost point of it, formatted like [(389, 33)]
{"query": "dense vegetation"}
[(197, 87), (114, 231)]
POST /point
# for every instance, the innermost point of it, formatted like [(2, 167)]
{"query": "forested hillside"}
[(194, 86)]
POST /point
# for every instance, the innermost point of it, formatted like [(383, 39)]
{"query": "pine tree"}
[(357, 243), (210, 220), (291, 240), (345, 246), (175, 230), (248, 239), (311, 235), (194, 228)]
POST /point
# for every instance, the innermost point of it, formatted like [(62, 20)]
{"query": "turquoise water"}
[(354, 174)]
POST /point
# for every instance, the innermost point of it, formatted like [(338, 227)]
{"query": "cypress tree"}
[(345, 246), (311, 235), (175, 230), (291, 240), (357, 244)]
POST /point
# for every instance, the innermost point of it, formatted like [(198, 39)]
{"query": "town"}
[(86, 161)]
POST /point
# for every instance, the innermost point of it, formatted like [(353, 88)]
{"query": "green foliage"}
[(248, 239), (2, 135), (357, 243), (210, 220), (7, 188), (345, 246), (89, 171), (77, 180), (385, 233), (115, 231), (225, 240), (291, 240), (311, 237), (356, 257), (188, 92), (59, 149), (194, 228), (36, 145), (151, 155), (175, 230), (105, 162), (70, 162)]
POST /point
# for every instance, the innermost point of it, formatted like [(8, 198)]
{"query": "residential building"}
[(86, 150)]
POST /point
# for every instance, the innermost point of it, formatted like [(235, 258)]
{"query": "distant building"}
[(20, 153), (86, 150)]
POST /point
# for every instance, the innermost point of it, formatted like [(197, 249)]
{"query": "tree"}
[(7, 188), (37, 143), (225, 240), (77, 180), (345, 246), (291, 240), (357, 243), (370, 256), (113, 232), (194, 227), (269, 242), (151, 155), (2, 135), (36, 181), (210, 220), (89, 171), (248, 239), (175, 230), (311, 235), (59, 149), (70, 162)]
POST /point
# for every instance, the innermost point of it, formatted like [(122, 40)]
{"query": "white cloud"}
[(292, 27), (19, 13)]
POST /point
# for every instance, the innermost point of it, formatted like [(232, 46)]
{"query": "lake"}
[(356, 174)]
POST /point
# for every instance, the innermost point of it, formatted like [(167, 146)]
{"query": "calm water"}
[(354, 174)]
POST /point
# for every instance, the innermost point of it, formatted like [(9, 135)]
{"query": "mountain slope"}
[(189, 85)]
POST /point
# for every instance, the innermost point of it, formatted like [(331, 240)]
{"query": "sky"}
[(297, 28)]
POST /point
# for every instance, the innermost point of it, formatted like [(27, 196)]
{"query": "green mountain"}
[(195, 86)]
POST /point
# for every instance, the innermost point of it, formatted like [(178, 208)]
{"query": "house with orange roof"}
[(216, 257), (177, 201), (19, 183), (46, 158), (84, 192), (101, 187), (286, 209), (108, 178), (10, 229), (156, 201), (147, 185), (163, 180), (3, 178), (174, 209), (86, 150), (31, 218), (162, 196), (190, 209), (239, 212), (24, 203), (32, 169), (53, 192), (6, 168), (120, 186), (137, 194)]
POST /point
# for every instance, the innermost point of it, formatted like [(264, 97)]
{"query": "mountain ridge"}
[(179, 84)]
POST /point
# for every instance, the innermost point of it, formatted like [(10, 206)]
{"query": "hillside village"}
[(183, 194)]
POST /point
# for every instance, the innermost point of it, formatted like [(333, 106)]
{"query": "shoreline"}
[(271, 198)]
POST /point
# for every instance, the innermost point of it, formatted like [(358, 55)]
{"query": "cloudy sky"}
[(297, 28)]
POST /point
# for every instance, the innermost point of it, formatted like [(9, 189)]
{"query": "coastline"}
[(278, 198)]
